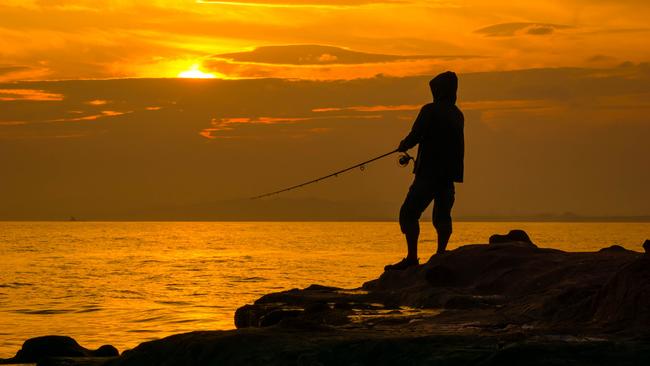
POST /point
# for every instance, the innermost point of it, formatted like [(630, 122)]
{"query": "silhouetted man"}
[(438, 130)]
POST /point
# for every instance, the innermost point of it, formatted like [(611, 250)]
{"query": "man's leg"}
[(417, 200), (443, 202), (444, 233)]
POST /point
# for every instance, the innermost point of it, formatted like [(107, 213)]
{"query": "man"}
[(438, 130)]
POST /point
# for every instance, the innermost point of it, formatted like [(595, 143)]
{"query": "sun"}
[(195, 73)]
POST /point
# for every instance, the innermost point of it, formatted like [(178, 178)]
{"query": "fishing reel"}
[(403, 159)]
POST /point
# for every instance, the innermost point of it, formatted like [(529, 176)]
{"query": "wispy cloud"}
[(508, 104), (323, 4), (231, 124), (13, 72), (513, 29), (320, 55), (29, 94), (97, 102), (324, 62), (91, 117), (12, 123), (370, 108)]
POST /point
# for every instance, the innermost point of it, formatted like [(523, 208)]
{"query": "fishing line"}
[(403, 161)]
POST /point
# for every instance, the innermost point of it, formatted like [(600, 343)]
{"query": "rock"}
[(613, 249), (247, 316), (513, 236), (513, 280), (317, 307), (342, 306), (264, 315), (276, 316), (280, 347), (74, 361), (106, 350), (441, 275), (508, 302), (465, 302), (36, 350), (625, 297), (646, 246)]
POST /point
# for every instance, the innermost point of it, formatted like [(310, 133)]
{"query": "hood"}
[(444, 87)]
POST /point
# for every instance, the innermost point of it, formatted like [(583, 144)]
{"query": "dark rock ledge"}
[(507, 302)]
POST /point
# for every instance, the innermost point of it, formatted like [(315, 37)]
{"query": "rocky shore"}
[(506, 302)]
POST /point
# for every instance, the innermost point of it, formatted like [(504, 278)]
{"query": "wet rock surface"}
[(480, 289), (507, 302)]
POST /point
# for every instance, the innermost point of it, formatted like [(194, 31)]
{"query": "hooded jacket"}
[(438, 130)]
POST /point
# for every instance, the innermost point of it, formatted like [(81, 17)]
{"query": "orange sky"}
[(51, 39), (556, 97)]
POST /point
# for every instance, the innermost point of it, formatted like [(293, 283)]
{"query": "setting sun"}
[(195, 73)]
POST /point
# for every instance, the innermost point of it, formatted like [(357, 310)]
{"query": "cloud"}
[(317, 55), (515, 29), (7, 95), (580, 134), (97, 102), (225, 127), (11, 69), (19, 72), (302, 3), (601, 58), (370, 108), (324, 63), (117, 41), (508, 104), (237, 70), (91, 117), (229, 124)]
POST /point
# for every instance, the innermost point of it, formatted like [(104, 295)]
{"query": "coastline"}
[(542, 218), (483, 304)]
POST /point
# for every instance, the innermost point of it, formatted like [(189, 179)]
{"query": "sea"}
[(123, 283)]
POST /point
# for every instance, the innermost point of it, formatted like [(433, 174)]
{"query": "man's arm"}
[(415, 136)]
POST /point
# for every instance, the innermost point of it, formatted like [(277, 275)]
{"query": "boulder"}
[(646, 246), (613, 249), (35, 350), (514, 236)]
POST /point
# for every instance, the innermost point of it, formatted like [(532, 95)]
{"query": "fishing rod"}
[(402, 161)]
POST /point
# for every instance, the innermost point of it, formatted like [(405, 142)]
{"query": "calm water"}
[(125, 283)]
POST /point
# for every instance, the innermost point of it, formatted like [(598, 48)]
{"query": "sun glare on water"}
[(195, 73)]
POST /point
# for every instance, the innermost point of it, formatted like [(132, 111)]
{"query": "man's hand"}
[(402, 146)]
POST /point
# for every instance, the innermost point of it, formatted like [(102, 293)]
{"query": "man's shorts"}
[(419, 197)]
